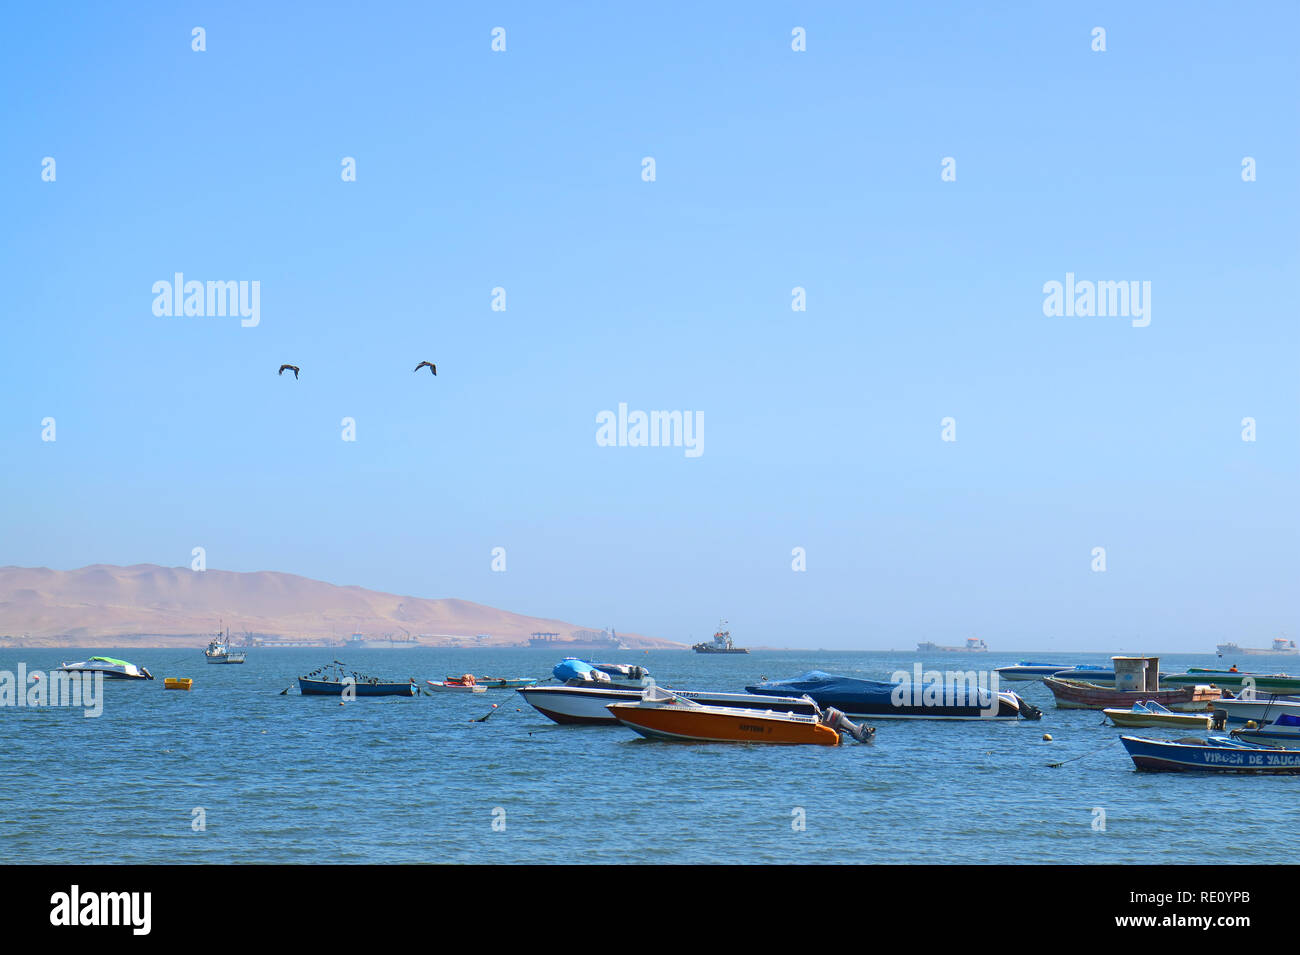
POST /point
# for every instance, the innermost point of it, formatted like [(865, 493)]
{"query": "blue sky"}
[(774, 169)]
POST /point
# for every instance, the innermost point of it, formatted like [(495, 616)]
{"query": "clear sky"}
[(774, 169)]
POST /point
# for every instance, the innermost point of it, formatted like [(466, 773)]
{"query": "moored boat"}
[(1147, 713), (1268, 683), (177, 683), (1077, 695), (1261, 711), (587, 704), (465, 684), (498, 682), (1088, 673), (335, 680), (111, 668), (1214, 754), (220, 651), (1027, 670), (874, 699), (662, 714)]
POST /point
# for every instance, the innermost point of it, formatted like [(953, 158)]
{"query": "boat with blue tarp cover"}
[(876, 699), (1214, 754)]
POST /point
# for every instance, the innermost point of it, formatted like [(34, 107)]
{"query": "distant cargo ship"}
[(1281, 647), (359, 641), (721, 643), (579, 640), (973, 645)]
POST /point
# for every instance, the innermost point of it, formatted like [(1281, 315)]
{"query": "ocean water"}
[(305, 780)]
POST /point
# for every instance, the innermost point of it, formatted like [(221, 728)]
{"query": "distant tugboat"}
[(219, 650), (973, 645), (721, 643)]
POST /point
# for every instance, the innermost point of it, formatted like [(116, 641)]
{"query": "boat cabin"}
[(1137, 674)]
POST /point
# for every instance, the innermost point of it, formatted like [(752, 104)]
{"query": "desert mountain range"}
[(148, 605)]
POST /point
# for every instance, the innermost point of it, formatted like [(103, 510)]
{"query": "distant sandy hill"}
[(148, 605)]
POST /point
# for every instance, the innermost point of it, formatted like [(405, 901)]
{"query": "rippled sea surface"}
[(294, 779)]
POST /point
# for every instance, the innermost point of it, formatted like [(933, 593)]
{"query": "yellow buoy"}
[(1047, 737)]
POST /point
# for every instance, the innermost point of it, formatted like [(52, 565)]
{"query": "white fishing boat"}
[(220, 651), (111, 668)]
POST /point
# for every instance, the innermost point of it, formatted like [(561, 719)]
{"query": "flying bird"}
[(432, 367), (293, 368)]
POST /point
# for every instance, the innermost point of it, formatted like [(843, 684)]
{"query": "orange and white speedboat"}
[(662, 714)]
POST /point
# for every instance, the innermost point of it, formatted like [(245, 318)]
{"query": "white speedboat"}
[(1260, 711), (588, 704), (111, 668)]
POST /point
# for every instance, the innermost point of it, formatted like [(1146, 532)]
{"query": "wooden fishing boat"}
[(1214, 754), (1077, 695), (497, 682), (335, 680), (177, 683), (662, 714), (456, 685), (1150, 713)]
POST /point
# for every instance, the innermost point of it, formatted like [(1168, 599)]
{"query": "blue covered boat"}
[(1215, 754), (875, 699)]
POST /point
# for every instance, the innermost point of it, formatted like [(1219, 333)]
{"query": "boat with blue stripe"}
[(335, 680), (1214, 754)]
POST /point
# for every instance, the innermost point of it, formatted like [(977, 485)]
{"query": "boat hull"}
[(1128, 718), (716, 725), (874, 700), (1261, 711), (588, 705), (1264, 683), (1169, 756), (1075, 695), (333, 688)]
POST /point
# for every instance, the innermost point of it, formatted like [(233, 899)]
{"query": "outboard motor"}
[(842, 724), (1027, 710)]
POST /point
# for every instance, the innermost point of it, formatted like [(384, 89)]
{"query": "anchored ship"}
[(1281, 647), (579, 640), (973, 645), (359, 641), (721, 642)]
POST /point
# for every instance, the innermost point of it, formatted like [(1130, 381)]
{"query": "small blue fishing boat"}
[(334, 679), (1214, 754)]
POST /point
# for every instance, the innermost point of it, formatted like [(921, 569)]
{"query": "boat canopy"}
[(118, 663)]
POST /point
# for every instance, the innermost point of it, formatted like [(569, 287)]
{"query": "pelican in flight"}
[(427, 364), (292, 368)]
